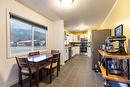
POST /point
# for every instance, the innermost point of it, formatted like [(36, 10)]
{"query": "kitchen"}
[(75, 44)]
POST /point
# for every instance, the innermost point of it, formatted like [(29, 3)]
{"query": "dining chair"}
[(54, 52), (34, 53), (25, 69), (52, 65)]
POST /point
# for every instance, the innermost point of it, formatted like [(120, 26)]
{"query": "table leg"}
[(37, 75), (128, 69), (106, 65), (59, 64)]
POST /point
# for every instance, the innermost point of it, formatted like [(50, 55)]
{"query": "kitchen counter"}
[(71, 51)]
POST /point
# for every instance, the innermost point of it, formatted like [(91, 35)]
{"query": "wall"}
[(120, 14), (8, 67), (89, 35), (58, 28)]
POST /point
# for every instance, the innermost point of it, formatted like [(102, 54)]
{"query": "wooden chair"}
[(52, 65), (34, 53), (25, 69), (54, 52)]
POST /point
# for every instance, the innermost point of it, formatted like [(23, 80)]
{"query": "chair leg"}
[(20, 79), (57, 71), (59, 68), (30, 80), (41, 75), (59, 65), (47, 72), (50, 71)]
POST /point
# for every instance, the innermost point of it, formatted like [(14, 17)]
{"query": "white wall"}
[(89, 35), (8, 67), (58, 28)]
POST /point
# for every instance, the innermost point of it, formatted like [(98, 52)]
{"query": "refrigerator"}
[(98, 38)]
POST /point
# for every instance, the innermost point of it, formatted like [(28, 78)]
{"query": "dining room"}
[(64, 43), (35, 33)]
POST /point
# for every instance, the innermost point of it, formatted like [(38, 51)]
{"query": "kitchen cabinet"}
[(70, 52), (75, 38), (66, 54), (75, 50)]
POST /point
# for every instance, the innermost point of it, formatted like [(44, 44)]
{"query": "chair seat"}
[(47, 66), (33, 70), (26, 71)]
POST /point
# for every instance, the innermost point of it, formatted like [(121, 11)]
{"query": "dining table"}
[(37, 60)]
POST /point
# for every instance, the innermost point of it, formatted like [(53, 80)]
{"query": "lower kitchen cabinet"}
[(66, 52)]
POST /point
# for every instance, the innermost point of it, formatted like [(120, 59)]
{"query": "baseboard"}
[(62, 64), (10, 83)]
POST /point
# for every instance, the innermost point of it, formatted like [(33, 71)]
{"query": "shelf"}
[(113, 56), (113, 77)]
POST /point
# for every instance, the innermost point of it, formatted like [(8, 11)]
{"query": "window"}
[(25, 35), (39, 38)]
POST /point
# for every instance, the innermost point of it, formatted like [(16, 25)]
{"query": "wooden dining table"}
[(37, 60)]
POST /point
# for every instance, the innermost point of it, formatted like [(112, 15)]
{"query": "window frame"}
[(34, 37), (8, 30)]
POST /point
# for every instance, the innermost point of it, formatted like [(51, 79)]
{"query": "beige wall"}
[(8, 67), (120, 14), (58, 28)]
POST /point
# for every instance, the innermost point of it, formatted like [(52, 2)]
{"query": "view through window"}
[(25, 37)]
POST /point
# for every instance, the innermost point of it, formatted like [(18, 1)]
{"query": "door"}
[(98, 37)]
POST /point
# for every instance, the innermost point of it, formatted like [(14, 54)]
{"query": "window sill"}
[(25, 54)]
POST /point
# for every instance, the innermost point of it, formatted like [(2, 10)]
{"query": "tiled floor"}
[(76, 73)]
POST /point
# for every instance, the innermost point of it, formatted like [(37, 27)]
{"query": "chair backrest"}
[(34, 53), (55, 59), (23, 63), (54, 51)]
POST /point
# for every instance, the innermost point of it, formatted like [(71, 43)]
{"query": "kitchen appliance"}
[(83, 45), (70, 52)]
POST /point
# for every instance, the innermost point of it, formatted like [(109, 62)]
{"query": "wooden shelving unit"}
[(123, 79), (106, 55)]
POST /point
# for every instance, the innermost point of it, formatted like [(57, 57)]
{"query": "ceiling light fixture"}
[(66, 2), (82, 27)]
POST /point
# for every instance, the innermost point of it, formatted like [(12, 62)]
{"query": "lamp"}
[(66, 2)]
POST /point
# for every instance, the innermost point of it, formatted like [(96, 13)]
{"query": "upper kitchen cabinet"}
[(67, 38), (78, 35)]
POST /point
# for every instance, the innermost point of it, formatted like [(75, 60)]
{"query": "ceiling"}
[(90, 13)]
